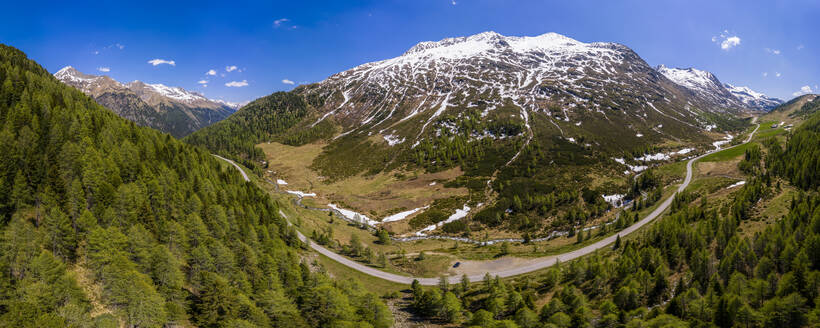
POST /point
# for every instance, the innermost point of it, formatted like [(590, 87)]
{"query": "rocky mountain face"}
[(169, 109), (567, 88), (703, 84), (753, 99), (706, 86), (441, 100)]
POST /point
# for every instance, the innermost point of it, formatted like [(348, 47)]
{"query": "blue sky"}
[(770, 46)]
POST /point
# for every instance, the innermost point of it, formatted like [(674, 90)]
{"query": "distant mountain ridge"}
[(753, 99), (169, 109), (707, 86)]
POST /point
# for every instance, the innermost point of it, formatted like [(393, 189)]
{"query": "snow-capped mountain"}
[(234, 105), (506, 110), (702, 83), (753, 99), (707, 86), (168, 109), (564, 81)]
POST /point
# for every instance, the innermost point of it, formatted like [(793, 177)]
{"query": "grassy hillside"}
[(263, 119), (554, 183), (106, 224), (724, 257)]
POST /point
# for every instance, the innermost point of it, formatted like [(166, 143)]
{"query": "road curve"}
[(244, 175), (525, 267)]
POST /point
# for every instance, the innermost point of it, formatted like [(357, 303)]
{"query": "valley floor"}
[(503, 266)]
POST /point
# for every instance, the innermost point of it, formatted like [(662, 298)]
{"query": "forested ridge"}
[(107, 224), (692, 268), (261, 120)]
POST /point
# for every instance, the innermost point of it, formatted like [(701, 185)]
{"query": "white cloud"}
[(210, 72), (157, 61), (453, 2), (726, 40), (730, 42), (237, 84), (119, 46), (202, 82), (230, 68), (277, 23), (765, 74), (777, 74), (104, 69), (800, 47), (96, 52), (773, 51), (803, 90), (286, 81)]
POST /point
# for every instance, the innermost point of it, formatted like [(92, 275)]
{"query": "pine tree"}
[(443, 284), (382, 260)]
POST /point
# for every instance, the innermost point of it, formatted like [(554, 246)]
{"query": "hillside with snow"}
[(753, 99), (569, 84), (511, 116), (705, 85), (168, 109), (494, 89)]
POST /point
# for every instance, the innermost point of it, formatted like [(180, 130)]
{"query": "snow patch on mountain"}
[(703, 84), (175, 93), (753, 99), (87, 83), (402, 215), (458, 215), (393, 140)]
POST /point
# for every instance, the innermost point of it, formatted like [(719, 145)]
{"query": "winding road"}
[(518, 268)]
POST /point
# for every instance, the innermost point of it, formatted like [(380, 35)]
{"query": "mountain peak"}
[(688, 77), (67, 70), (70, 73), (170, 109), (485, 42), (708, 86), (702, 83), (753, 99)]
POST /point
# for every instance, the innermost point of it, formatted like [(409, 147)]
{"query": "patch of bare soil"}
[(719, 169), (470, 267)]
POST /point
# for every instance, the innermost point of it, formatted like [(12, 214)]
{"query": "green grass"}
[(672, 171), (769, 133), (728, 154), (709, 185), (374, 284)]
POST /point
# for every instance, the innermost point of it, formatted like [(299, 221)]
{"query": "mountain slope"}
[(510, 84), (703, 84), (706, 86), (105, 224), (168, 109), (546, 115), (711, 262), (753, 99)]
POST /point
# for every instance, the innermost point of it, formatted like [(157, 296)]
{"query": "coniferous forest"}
[(106, 224)]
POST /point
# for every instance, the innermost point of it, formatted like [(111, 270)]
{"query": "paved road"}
[(523, 267), (244, 175)]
